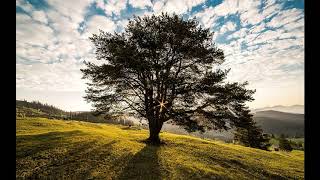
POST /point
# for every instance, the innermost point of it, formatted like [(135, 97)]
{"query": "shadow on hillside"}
[(79, 161), (28, 145), (62, 155), (82, 161), (143, 165)]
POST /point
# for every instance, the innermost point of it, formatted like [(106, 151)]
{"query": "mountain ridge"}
[(296, 109)]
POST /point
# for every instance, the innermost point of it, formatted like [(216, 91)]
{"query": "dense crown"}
[(164, 68)]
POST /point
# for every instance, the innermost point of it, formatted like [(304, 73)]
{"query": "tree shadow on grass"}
[(234, 166), (28, 145), (143, 165), (80, 161), (55, 155)]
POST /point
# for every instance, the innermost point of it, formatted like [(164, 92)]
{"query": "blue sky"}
[(263, 42)]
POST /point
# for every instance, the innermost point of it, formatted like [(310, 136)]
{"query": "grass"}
[(59, 149)]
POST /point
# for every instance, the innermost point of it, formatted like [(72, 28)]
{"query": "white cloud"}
[(28, 31), (140, 3), (63, 76), (240, 33), (271, 8), (25, 5), (249, 12), (65, 28), (72, 9), (229, 26), (40, 16), (122, 23), (207, 17), (100, 22), (175, 6), (158, 6), (285, 17), (274, 59), (258, 28), (112, 6), (263, 37), (295, 26), (251, 16), (41, 45)]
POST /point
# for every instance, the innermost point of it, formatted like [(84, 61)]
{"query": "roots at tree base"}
[(154, 140)]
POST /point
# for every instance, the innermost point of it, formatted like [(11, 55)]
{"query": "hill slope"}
[(37, 109), (82, 150), (279, 122)]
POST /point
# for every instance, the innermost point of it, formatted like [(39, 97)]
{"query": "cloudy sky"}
[(263, 42)]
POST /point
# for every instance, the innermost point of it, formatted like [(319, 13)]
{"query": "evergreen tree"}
[(162, 68), (249, 134), (284, 144)]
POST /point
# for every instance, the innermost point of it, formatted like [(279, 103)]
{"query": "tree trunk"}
[(154, 130)]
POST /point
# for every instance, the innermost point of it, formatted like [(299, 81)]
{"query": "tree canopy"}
[(164, 68)]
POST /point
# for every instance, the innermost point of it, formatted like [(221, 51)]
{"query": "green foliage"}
[(55, 149), (161, 69), (249, 134), (284, 144)]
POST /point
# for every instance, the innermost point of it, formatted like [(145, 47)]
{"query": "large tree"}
[(164, 68)]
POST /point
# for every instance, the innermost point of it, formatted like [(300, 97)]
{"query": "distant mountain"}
[(277, 123), (270, 121), (297, 109)]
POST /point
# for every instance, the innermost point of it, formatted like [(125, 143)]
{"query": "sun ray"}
[(162, 104)]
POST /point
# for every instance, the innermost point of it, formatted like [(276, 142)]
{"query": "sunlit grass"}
[(82, 150)]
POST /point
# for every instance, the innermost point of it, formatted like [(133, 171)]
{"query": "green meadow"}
[(57, 149)]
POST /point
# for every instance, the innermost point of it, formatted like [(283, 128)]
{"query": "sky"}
[(263, 42)]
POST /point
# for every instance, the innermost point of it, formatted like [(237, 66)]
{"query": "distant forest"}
[(38, 109)]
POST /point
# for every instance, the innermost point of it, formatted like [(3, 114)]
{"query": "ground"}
[(59, 149)]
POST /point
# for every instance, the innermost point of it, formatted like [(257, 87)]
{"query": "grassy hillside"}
[(277, 123), (81, 150)]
